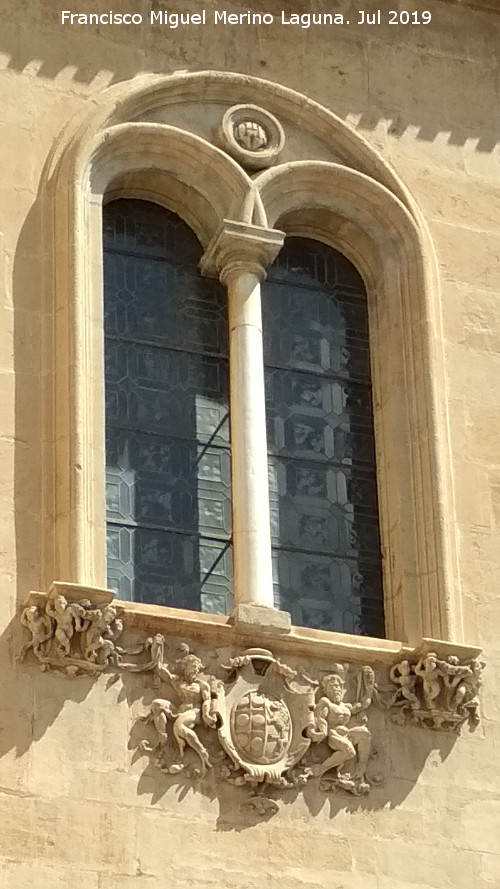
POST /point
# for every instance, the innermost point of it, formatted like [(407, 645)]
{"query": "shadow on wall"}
[(423, 83)]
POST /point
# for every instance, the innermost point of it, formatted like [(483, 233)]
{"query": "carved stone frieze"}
[(260, 720), (248, 718), (438, 693)]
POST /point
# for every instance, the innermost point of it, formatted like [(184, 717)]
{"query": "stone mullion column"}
[(240, 255), (251, 523)]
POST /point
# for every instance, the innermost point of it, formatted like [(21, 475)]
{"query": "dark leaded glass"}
[(324, 517), (167, 426)]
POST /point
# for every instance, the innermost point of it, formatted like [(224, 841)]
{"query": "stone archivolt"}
[(254, 720)]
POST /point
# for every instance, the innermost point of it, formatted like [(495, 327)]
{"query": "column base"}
[(247, 616)]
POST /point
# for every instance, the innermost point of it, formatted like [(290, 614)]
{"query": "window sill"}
[(300, 641), (219, 629)]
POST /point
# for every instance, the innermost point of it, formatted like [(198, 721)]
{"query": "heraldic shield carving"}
[(264, 710)]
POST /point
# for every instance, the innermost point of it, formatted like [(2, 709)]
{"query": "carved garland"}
[(254, 720)]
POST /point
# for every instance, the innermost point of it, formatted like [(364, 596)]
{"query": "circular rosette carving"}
[(254, 137), (261, 727)]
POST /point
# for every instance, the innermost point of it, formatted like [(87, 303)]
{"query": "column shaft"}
[(239, 253), (251, 530)]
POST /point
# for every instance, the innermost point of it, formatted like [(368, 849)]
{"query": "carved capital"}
[(73, 628), (241, 247), (436, 692)]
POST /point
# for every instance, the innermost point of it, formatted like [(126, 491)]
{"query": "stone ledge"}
[(247, 627)]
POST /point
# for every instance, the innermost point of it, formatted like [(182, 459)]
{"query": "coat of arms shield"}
[(264, 708)]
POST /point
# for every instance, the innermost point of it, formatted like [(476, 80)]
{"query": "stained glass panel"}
[(322, 481), (167, 425)]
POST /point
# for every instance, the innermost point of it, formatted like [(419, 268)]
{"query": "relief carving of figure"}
[(403, 677), (41, 628), (429, 668), (194, 709), (68, 620), (102, 629), (438, 693), (462, 683), (350, 744)]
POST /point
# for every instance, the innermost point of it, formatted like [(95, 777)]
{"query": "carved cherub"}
[(41, 628), (195, 707), (462, 682), (401, 674), (103, 628), (438, 675), (467, 693), (349, 744), (68, 619), (429, 670)]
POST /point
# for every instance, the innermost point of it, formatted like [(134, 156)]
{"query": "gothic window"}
[(167, 425), (323, 495)]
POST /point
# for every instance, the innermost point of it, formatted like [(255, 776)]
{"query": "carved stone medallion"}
[(254, 137), (250, 135)]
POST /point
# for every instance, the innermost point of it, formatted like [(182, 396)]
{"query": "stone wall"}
[(80, 800)]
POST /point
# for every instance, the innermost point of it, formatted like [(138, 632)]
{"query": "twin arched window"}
[(168, 426)]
